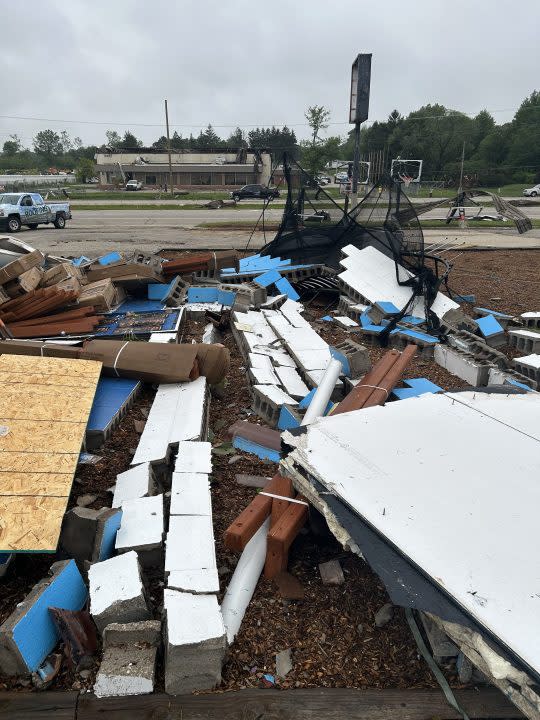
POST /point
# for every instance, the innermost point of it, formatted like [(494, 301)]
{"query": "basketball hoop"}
[(406, 180)]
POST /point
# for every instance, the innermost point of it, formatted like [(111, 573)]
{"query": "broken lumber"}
[(281, 536)]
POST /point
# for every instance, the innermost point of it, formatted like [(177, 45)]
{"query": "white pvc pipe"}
[(244, 581), (322, 395)]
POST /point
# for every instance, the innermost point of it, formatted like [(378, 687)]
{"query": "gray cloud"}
[(251, 63)]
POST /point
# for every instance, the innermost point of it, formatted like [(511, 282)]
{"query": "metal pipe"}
[(324, 391)]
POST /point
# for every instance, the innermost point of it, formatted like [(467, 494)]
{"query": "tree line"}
[(494, 154)]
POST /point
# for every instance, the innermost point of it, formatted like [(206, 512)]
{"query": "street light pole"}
[(358, 111), (169, 148)]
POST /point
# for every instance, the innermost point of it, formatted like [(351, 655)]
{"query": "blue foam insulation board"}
[(108, 539), (342, 359), (270, 277), (82, 260), (110, 258), (305, 402), (133, 305), (202, 294), (415, 334), (111, 395), (388, 308), (158, 291), (489, 326), (261, 451), (510, 381), (35, 634), (327, 318), (417, 387), (226, 297), (465, 298), (287, 420), (495, 313), (285, 288), (412, 320)]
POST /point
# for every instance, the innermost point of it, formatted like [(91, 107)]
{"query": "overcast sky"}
[(249, 63)]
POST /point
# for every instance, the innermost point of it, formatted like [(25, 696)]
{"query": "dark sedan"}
[(255, 191)]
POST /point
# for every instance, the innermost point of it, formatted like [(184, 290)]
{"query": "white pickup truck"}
[(17, 209)]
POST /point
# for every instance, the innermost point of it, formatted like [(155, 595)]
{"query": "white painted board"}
[(455, 489), (194, 457)]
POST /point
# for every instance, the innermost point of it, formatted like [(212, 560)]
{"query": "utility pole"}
[(169, 148), (461, 173), (358, 112)]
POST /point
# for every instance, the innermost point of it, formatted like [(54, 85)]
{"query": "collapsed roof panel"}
[(458, 517)]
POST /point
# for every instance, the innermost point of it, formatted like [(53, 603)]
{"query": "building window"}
[(150, 180), (201, 178)]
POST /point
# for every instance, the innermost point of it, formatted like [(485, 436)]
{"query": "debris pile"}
[(408, 476)]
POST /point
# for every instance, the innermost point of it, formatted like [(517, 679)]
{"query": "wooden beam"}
[(284, 488), (281, 536), (38, 706), (327, 703)]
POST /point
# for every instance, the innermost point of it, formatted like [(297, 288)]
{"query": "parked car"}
[(341, 177), (17, 209), (254, 191), (323, 180), (532, 192), (134, 185)]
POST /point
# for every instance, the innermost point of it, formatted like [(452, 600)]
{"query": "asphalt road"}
[(93, 232)]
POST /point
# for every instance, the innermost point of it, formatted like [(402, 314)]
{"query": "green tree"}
[(208, 139), (85, 170), (318, 117), (129, 141), (47, 143), (113, 139), (237, 139), (12, 146), (65, 141)]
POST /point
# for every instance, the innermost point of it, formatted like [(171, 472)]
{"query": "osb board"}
[(44, 411), (13, 378), (30, 524), (34, 483), (47, 365), (35, 402)]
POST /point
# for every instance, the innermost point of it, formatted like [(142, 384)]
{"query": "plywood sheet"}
[(44, 409), (30, 523), (34, 483)]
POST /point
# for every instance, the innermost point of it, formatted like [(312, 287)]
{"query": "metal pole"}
[(169, 148), (356, 166), (461, 173)]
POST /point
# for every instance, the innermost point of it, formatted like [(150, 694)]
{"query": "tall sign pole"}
[(169, 148), (359, 110)]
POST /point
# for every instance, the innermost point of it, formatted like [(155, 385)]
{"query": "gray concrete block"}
[(126, 670), (144, 631), (195, 641), (442, 647), (357, 356), (117, 592)]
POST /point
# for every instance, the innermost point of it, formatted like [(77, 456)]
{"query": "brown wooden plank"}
[(330, 703), (38, 705)]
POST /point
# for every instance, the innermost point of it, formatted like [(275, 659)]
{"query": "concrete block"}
[(137, 482), (129, 659), (529, 367), (289, 418), (195, 642), (456, 318), (194, 457), (354, 358), (190, 543), (291, 382), (142, 529), (144, 631), (29, 633), (462, 365), (267, 402), (531, 320), (491, 330), (116, 591), (525, 340), (178, 413), (89, 535), (190, 494)]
